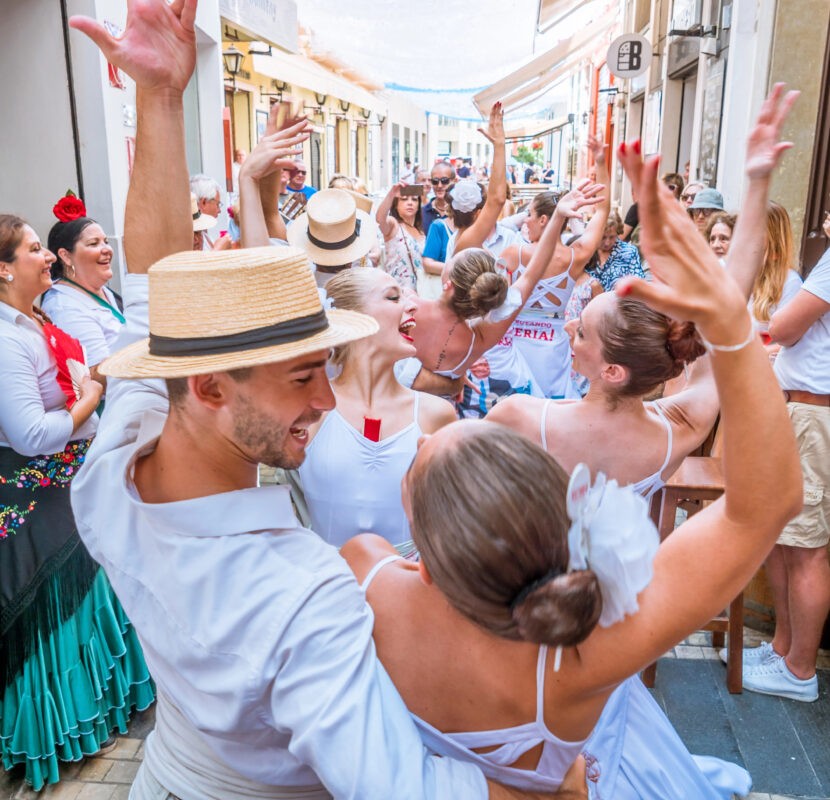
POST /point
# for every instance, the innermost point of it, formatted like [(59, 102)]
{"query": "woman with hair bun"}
[(80, 302), (517, 638), (446, 339)]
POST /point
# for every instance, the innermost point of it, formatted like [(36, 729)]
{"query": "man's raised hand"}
[(158, 47)]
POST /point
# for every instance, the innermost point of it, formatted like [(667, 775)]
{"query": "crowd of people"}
[(454, 585)]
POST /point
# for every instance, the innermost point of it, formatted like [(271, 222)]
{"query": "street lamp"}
[(233, 62)]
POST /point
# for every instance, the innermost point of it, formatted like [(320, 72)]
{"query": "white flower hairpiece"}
[(465, 195), (613, 535)]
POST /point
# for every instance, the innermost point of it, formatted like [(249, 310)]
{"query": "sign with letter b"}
[(629, 55)]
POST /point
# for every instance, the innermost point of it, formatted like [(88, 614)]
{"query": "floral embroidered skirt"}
[(71, 667)]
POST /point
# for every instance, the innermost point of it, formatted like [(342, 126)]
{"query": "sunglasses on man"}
[(441, 181)]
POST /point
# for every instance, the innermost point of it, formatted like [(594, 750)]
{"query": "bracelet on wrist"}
[(729, 348)]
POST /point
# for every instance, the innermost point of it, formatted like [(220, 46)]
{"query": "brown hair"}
[(676, 180), (463, 219), (177, 387), (614, 221), (11, 235), (347, 290), (478, 288), (778, 259), (724, 219), (495, 546), (544, 204), (652, 347)]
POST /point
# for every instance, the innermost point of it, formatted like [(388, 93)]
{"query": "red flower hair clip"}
[(69, 207)]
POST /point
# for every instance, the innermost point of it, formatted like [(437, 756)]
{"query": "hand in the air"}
[(158, 47), (495, 129), (585, 193), (763, 150)]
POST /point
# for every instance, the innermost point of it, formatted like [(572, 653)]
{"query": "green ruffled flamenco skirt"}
[(71, 667), (80, 684)]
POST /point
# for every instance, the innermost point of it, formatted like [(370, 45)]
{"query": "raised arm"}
[(157, 219), (475, 235), (695, 408), (586, 245), (763, 152), (702, 566), (259, 178), (488, 330), (387, 223)]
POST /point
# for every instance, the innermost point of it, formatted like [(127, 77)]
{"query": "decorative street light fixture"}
[(233, 62)]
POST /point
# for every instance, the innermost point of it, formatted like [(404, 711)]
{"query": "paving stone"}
[(96, 791), (123, 772), (64, 790), (710, 653), (687, 651), (95, 769), (125, 747), (699, 638), (121, 793)]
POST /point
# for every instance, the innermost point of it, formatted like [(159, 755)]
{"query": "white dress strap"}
[(541, 660), (669, 434), (542, 425), (377, 568)]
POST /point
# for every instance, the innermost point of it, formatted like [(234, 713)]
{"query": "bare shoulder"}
[(362, 552), (434, 412), (520, 412)]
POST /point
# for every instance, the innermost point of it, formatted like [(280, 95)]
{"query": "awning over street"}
[(528, 82)]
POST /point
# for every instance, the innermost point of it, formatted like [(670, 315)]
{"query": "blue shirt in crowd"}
[(623, 260)]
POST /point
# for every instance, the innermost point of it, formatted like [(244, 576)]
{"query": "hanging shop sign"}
[(629, 55)]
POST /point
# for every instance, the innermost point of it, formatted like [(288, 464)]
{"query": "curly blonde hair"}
[(778, 260)]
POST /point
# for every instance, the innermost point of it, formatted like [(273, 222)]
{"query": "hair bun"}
[(488, 292), (562, 611), (683, 342)]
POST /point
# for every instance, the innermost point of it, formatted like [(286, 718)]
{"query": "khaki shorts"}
[(811, 528)]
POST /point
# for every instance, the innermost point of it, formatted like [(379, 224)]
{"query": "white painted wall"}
[(36, 131)]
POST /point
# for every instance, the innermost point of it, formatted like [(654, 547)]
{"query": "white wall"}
[(36, 132)]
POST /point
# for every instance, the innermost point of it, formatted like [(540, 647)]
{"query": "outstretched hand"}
[(584, 194), (688, 282), (763, 150), (495, 128), (158, 47), (597, 147), (278, 148)]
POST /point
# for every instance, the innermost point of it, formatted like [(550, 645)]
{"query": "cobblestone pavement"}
[(108, 777)]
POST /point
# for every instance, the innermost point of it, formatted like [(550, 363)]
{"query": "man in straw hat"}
[(254, 629), (201, 222)]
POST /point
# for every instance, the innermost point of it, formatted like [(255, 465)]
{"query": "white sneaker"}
[(774, 677), (752, 655)]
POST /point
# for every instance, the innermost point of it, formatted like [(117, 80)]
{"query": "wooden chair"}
[(699, 480)]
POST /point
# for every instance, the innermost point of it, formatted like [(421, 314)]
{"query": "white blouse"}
[(93, 325), (34, 419)]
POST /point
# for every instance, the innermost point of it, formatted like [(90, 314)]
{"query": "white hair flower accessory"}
[(612, 534), (465, 195)]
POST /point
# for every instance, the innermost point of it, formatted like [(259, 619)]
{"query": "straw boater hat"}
[(217, 311), (201, 222), (333, 231)]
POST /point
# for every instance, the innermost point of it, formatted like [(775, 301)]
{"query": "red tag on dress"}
[(371, 429)]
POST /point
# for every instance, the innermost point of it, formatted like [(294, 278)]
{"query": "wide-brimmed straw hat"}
[(333, 231), (217, 311), (201, 221)]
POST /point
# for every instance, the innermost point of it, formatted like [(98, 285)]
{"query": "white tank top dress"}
[(649, 486), (633, 753), (352, 485), (539, 333)]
